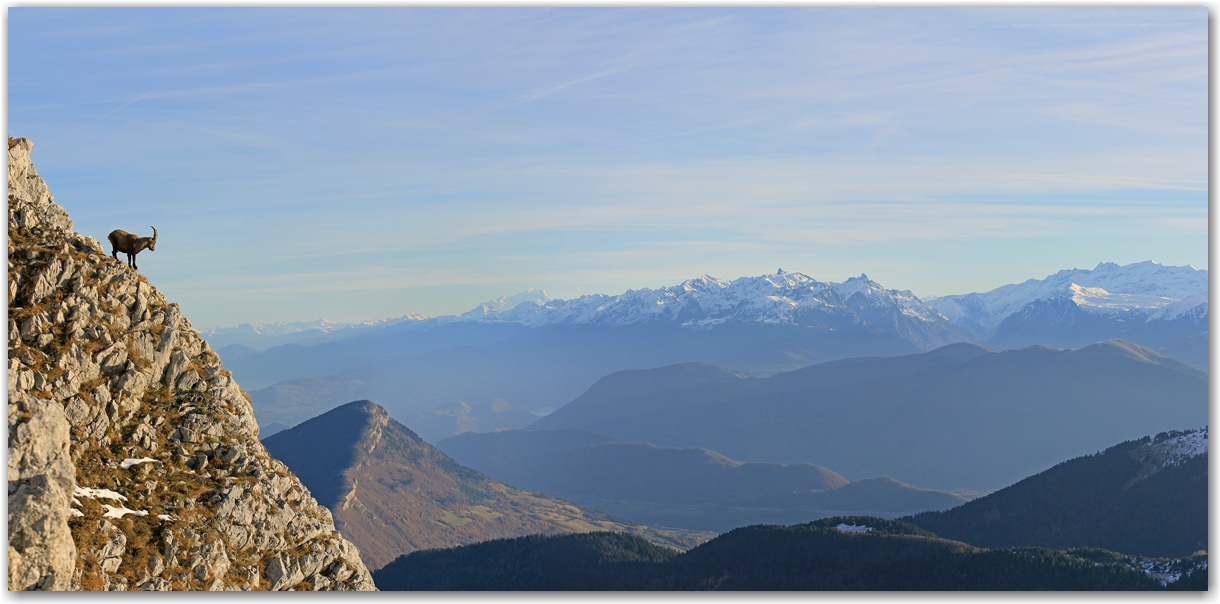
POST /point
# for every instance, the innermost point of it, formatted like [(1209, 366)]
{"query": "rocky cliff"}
[(134, 461)]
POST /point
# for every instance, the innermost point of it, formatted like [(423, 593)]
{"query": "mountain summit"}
[(392, 493)]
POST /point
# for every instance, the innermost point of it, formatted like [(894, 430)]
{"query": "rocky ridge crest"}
[(134, 461)]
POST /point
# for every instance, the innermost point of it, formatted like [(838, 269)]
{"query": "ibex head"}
[(152, 243)]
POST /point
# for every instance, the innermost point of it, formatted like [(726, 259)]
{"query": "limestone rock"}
[(41, 478), (104, 375)]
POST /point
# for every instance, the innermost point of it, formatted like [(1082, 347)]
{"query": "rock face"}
[(134, 460)]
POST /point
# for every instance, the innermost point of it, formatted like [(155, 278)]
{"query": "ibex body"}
[(122, 241)]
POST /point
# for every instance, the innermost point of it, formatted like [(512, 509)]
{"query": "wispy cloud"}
[(297, 154), (529, 98)]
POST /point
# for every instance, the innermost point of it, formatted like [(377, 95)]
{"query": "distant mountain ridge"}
[(690, 488), (462, 416), (261, 336), (961, 416)]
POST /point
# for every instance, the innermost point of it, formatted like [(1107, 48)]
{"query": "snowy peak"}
[(855, 284), (505, 303), (1096, 298), (1148, 277), (1134, 290)]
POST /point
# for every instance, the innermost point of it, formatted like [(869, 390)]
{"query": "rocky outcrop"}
[(134, 460)]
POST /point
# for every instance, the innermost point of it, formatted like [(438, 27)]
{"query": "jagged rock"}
[(101, 368), (112, 359), (30, 202), (78, 412), (169, 548), (155, 566), (282, 575), (110, 556), (41, 478), (145, 436)]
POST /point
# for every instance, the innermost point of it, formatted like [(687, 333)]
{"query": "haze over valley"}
[(536, 354)]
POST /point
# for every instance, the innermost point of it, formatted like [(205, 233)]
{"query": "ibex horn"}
[(154, 233)]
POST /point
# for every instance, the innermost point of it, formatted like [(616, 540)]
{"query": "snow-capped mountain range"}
[(782, 298), (1142, 291), (542, 352), (1147, 303)]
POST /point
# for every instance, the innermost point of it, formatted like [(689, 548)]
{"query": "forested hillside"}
[(1146, 496), (842, 553)]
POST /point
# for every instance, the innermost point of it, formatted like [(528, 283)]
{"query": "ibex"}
[(122, 241)]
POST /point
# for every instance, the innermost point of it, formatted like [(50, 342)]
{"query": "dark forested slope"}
[(845, 553), (1146, 496)]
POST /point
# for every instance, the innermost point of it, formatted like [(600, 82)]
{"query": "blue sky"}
[(366, 163)]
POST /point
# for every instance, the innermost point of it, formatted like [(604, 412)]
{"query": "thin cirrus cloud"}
[(445, 156)]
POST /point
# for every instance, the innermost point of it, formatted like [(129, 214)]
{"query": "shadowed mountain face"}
[(510, 455), (1062, 323), (1191, 350), (1146, 496), (392, 493), (961, 416), (646, 472), (695, 489), (882, 495)]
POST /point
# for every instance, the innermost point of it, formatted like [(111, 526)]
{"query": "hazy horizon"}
[(360, 164)]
